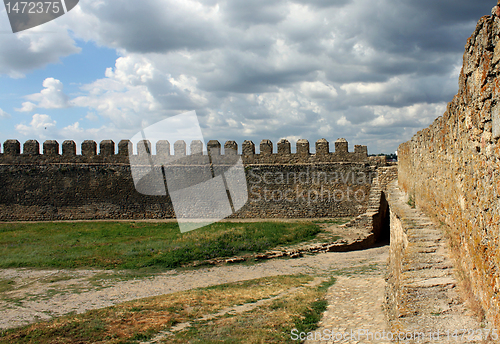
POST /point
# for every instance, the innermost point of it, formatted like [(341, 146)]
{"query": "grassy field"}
[(139, 320), (133, 245)]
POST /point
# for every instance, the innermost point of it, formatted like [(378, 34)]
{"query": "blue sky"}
[(374, 72), (73, 71)]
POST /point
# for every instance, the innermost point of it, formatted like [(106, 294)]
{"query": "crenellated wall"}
[(451, 169), (52, 182), (52, 152)]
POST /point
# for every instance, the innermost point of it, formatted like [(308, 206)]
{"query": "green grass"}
[(339, 221), (411, 201), (6, 285), (133, 245), (358, 270), (311, 316)]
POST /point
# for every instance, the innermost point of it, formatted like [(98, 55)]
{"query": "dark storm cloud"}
[(153, 26), (249, 73), (453, 10), (411, 26), (255, 12), (324, 3), (359, 115), (25, 51), (403, 36)]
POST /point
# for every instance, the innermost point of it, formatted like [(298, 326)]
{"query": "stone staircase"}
[(423, 294)]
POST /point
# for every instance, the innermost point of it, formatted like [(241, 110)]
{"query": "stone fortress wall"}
[(56, 183), (451, 170)]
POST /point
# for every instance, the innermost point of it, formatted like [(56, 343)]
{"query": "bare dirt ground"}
[(28, 295)]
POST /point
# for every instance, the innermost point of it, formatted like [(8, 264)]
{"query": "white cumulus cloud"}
[(41, 126), (4, 114), (51, 97)]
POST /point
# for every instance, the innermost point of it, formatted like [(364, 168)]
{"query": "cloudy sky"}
[(371, 71)]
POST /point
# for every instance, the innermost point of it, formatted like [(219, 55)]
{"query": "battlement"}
[(53, 152), (50, 181)]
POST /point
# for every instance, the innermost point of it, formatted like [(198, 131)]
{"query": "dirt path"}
[(31, 295), (355, 311)]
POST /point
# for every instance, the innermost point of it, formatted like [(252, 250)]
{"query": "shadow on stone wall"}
[(375, 222)]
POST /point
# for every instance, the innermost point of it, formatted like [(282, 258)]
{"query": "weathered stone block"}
[(230, 148), (359, 149), (69, 148), (31, 147), (213, 147), (12, 147), (302, 147), (51, 148), (284, 147), (107, 148), (89, 148), (322, 147), (266, 147), (125, 147), (144, 147), (163, 148), (180, 148), (495, 121), (196, 147), (341, 146), (248, 148)]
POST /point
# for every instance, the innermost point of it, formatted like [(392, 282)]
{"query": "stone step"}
[(427, 297)]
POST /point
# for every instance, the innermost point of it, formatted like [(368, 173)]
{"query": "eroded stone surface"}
[(450, 170), (423, 294)]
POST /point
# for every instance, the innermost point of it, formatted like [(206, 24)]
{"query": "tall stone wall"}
[(55, 183), (451, 169)]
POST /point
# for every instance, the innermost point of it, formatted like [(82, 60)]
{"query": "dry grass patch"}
[(271, 323), (7, 285), (134, 321)]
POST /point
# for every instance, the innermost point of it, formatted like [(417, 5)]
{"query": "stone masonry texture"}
[(49, 182), (451, 170)]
